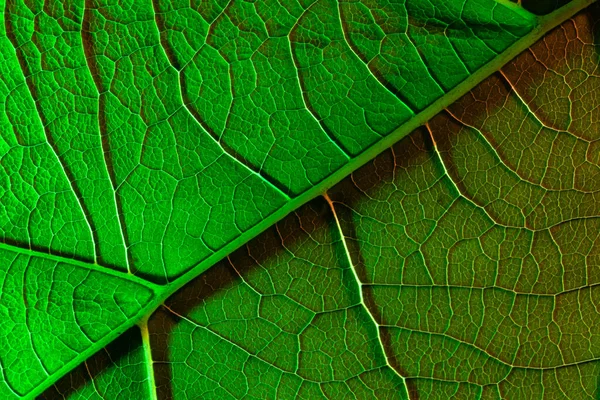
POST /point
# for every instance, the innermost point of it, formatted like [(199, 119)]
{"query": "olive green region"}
[(118, 373), (464, 262), (281, 318), (52, 311), (477, 238), (145, 136)]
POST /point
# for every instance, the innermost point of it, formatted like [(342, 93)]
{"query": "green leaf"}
[(53, 310), (448, 267), (143, 142), (281, 318), (156, 149)]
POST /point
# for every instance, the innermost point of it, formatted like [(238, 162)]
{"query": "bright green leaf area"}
[(463, 262), (52, 311), (141, 141), (145, 136)]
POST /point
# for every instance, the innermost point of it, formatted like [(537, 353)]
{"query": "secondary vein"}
[(360, 285)]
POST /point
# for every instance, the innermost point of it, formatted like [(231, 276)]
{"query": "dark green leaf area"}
[(281, 318)]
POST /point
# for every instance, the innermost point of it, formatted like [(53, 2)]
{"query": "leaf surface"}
[(461, 263), (135, 152), (160, 157), (51, 311), (117, 372), (281, 318)]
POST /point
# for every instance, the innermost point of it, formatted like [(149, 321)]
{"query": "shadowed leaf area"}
[(542, 7), (463, 262), (117, 372)]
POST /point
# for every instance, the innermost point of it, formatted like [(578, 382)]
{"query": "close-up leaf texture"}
[(300, 199)]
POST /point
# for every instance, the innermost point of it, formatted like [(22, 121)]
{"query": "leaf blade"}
[(222, 239)]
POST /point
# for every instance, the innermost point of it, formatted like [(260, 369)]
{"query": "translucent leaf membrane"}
[(461, 263), (141, 139), (470, 307), (477, 237)]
